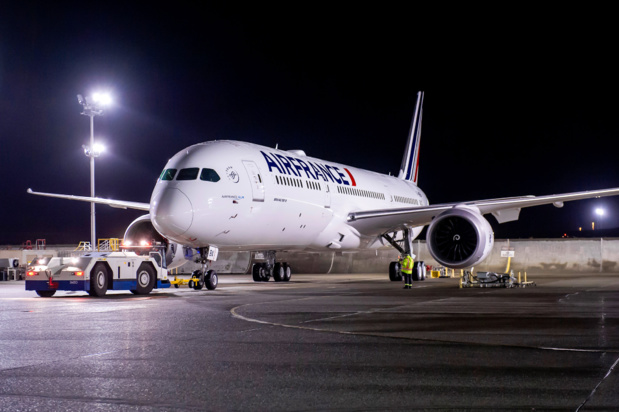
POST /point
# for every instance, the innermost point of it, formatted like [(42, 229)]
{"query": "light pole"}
[(93, 106)]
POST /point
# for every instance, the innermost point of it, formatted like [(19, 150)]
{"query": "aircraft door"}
[(257, 184)]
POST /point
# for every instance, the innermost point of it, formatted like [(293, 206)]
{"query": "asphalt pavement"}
[(319, 342)]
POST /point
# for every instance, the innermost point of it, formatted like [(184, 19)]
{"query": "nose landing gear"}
[(204, 277)]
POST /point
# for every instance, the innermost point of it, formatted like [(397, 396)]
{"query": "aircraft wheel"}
[(278, 272), (395, 275), (287, 272), (198, 283), (264, 273), (46, 293), (98, 280), (255, 272), (416, 272), (211, 280)]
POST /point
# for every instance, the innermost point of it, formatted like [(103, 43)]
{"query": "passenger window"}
[(168, 174), (188, 174), (209, 175)]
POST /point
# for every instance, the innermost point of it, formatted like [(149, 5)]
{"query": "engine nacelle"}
[(460, 238), (142, 232)]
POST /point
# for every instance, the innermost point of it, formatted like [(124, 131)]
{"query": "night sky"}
[(517, 102)]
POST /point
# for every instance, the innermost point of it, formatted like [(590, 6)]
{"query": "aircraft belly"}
[(253, 225)]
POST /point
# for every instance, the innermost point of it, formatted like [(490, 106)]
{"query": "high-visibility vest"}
[(407, 265)]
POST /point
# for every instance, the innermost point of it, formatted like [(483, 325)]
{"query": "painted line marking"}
[(237, 315), (98, 354), (598, 385)]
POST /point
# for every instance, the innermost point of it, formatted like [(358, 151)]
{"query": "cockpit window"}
[(209, 175), (188, 174), (168, 174)]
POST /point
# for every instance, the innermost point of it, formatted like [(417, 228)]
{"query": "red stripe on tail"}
[(416, 168)]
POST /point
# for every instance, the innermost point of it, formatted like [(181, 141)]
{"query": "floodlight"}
[(599, 211), (103, 99), (93, 106), (97, 149)]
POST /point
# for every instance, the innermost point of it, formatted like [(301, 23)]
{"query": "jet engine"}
[(460, 238), (141, 232)]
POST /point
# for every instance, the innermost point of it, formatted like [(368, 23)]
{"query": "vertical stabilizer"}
[(410, 161)]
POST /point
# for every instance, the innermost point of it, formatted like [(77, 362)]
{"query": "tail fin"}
[(410, 161)]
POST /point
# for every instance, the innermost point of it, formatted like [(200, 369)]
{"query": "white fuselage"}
[(242, 196)]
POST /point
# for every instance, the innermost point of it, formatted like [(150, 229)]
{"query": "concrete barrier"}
[(565, 255), (531, 255)]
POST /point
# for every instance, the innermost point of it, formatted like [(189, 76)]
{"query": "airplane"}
[(237, 196)]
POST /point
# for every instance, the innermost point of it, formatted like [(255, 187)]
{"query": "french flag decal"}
[(352, 179)]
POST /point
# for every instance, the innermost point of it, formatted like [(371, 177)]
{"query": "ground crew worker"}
[(407, 270)]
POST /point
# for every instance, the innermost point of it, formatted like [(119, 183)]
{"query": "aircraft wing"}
[(503, 209), (121, 204)]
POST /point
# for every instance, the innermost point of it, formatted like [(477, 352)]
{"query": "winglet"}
[(410, 162)]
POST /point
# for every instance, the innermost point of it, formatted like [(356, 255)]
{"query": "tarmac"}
[(318, 342)]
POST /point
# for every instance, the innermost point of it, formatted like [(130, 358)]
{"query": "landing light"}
[(144, 243)]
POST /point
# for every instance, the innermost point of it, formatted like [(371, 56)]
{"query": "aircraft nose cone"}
[(171, 212)]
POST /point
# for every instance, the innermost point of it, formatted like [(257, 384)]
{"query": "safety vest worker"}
[(407, 270)]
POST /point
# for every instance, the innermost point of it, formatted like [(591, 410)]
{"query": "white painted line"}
[(598, 385)]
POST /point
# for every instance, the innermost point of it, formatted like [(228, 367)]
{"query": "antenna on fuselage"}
[(276, 144)]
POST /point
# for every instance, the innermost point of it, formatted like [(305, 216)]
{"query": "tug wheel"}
[(146, 279), (99, 280)]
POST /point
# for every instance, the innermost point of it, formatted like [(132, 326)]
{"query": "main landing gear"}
[(406, 247), (203, 277), (262, 272)]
